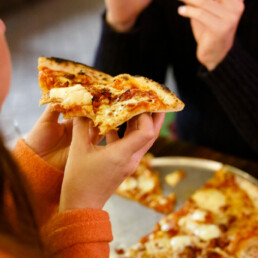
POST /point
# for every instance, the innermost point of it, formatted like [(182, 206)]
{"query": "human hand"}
[(214, 24), (93, 173), (50, 139), (122, 14)]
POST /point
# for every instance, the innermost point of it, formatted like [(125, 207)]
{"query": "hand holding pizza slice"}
[(78, 90)]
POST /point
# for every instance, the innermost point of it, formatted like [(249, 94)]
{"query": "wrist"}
[(120, 26), (71, 199)]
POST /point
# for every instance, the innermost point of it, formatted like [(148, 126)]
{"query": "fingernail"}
[(181, 9), (2, 26)]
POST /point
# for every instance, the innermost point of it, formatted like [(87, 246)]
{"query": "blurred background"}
[(60, 28)]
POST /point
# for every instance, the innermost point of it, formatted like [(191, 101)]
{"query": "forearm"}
[(235, 84), (140, 51), (43, 182)]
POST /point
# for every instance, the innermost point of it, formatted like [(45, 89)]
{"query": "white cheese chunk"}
[(129, 184), (199, 215), (146, 184), (69, 96), (205, 232), (180, 242), (210, 199)]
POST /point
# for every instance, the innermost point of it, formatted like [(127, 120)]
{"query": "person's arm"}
[(92, 174), (235, 84), (43, 181), (42, 157), (142, 50), (229, 70)]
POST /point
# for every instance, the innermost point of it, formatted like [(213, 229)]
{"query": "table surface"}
[(165, 147)]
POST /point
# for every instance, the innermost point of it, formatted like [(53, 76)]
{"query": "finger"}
[(206, 18), (138, 138), (158, 119), (2, 27), (68, 125), (214, 7), (234, 5), (94, 133), (112, 136), (81, 132), (49, 115), (132, 124)]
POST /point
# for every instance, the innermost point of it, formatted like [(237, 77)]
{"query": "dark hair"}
[(12, 188)]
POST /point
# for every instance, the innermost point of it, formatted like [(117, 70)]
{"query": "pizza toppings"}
[(210, 199), (144, 186), (71, 96), (219, 220), (175, 177), (108, 101)]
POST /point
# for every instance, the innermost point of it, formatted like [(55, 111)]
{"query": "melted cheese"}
[(69, 96), (205, 232), (180, 242), (199, 215), (146, 184), (210, 199), (129, 184)]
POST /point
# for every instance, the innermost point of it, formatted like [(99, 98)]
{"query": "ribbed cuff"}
[(76, 227)]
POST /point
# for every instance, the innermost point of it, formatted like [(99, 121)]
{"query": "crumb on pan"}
[(175, 177)]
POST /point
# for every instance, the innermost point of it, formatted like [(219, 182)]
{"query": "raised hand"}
[(122, 14), (94, 172), (214, 24), (50, 139)]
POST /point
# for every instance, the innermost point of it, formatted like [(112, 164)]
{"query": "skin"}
[(213, 22), (5, 64), (91, 172), (214, 25), (101, 169)]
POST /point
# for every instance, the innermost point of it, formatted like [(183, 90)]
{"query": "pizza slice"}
[(220, 220), (75, 90), (144, 187)]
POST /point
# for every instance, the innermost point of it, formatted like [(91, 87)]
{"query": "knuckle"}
[(241, 7), (201, 2), (199, 13), (149, 135)]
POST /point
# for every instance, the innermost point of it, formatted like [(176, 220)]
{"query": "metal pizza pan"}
[(130, 220)]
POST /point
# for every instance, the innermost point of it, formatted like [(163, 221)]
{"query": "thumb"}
[(81, 134)]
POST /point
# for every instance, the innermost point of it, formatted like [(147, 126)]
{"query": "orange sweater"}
[(75, 233)]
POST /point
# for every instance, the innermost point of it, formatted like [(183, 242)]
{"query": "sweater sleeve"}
[(141, 51), (43, 182), (234, 82), (78, 233)]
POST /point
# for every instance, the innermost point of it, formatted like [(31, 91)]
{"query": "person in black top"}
[(212, 46)]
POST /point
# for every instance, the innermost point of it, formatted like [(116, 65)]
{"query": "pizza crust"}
[(127, 96), (59, 64), (249, 188)]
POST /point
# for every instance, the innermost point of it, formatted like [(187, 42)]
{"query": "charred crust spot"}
[(58, 60), (81, 73), (66, 61), (69, 76), (124, 95)]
